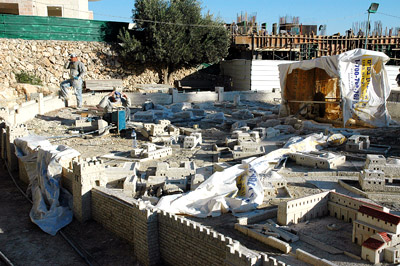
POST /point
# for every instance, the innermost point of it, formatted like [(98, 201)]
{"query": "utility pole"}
[(372, 9)]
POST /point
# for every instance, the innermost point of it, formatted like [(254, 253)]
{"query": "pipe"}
[(5, 259)]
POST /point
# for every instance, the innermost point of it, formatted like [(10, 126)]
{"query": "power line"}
[(140, 20), (393, 16), (188, 25)]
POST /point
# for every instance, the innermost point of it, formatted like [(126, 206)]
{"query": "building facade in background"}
[(48, 8)]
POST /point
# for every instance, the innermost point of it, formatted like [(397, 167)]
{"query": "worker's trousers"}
[(77, 85)]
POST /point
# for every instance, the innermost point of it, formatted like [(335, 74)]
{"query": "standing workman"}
[(77, 71)]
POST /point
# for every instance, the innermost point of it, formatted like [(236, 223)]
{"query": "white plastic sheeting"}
[(363, 82), (52, 205), (236, 189)]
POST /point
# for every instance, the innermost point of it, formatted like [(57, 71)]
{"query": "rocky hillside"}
[(45, 60)]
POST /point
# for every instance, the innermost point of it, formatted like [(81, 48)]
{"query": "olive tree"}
[(171, 34)]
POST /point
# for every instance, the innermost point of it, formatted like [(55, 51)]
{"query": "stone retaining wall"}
[(46, 59)]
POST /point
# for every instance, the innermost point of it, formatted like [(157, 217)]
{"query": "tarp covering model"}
[(52, 205), (362, 83), (237, 188)]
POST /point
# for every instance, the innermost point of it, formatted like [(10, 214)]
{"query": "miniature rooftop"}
[(214, 126)]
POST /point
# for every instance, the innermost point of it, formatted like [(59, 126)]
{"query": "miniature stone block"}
[(374, 160), (323, 160), (190, 142), (262, 132), (391, 168), (357, 143), (130, 186), (236, 100), (272, 132), (151, 151), (83, 123)]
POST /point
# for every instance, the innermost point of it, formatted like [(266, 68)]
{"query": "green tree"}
[(171, 34)]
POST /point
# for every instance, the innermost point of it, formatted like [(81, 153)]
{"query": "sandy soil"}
[(23, 243)]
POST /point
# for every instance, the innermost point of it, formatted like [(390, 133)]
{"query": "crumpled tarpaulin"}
[(237, 188), (362, 83), (52, 205)]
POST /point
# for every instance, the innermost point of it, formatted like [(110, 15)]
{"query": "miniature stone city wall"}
[(125, 217), (352, 189), (156, 237), (333, 173), (161, 237)]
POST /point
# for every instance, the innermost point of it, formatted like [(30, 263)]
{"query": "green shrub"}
[(25, 77)]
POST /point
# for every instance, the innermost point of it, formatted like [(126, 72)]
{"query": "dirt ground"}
[(24, 243), (57, 124)]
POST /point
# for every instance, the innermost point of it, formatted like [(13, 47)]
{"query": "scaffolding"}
[(304, 47)]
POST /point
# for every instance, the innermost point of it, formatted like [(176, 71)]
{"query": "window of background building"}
[(11, 9), (54, 11)]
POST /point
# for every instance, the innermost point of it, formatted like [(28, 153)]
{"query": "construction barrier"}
[(56, 28)]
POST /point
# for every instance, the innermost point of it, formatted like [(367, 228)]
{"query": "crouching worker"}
[(116, 100), (77, 71)]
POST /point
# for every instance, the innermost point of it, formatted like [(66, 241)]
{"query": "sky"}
[(338, 15)]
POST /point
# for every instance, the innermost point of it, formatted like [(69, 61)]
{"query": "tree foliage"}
[(173, 33)]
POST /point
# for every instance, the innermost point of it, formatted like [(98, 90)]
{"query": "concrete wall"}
[(195, 97), (392, 72), (24, 7), (240, 71), (70, 9), (265, 74), (254, 75)]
